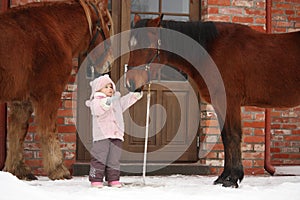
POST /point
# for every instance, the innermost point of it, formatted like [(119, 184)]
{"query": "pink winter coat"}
[(108, 119)]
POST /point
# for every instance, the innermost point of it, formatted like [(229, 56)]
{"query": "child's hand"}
[(138, 95), (104, 104), (111, 99)]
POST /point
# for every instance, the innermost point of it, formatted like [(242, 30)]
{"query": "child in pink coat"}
[(107, 107)]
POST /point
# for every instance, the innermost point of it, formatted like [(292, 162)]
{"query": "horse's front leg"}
[(231, 137), (46, 113), (19, 115)]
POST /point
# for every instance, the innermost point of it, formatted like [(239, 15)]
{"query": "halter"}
[(99, 31), (147, 67)]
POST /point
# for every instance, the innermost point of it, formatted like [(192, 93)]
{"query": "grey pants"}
[(105, 160)]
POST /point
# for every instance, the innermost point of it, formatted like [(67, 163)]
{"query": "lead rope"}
[(147, 132)]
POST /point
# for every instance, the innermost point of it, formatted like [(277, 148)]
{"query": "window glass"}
[(144, 5), (177, 18), (109, 5), (175, 6)]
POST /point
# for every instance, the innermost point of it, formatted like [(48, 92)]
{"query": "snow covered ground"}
[(156, 188)]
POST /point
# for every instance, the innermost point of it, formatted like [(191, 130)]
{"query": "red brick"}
[(211, 155), (283, 6), (253, 109), (259, 117), (67, 113), (60, 120), (259, 132), (258, 163), (254, 124), (218, 147), (213, 10), (219, 18), (260, 20), (292, 138), (242, 19), (280, 155), (231, 11), (69, 104), (256, 12), (66, 129), (247, 163), (290, 12), (69, 137), (34, 162), (254, 139), (275, 150), (295, 131), (253, 155), (219, 2), (289, 126), (259, 28)]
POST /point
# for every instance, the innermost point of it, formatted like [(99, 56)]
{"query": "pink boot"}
[(97, 184), (115, 184)]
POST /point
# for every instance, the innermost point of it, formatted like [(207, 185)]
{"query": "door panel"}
[(171, 133)]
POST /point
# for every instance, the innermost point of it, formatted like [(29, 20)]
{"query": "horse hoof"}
[(220, 180), (60, 173), (27, 177), (230, 184)]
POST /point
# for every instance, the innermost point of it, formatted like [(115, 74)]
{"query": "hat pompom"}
[(88, 103)]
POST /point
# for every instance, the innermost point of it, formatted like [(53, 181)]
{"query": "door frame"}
[(121, 11)]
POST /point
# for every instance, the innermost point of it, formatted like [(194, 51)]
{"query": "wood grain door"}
[(173, 124)]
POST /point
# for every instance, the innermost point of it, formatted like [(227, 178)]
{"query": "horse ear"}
[(156, 22), (104, 3), (136, 18)]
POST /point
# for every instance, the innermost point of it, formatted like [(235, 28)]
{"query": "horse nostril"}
[(131, 85)]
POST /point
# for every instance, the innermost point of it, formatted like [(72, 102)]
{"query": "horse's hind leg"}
[(19, 115), (46, 113)]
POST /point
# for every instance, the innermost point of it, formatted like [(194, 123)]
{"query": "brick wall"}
[(285, 123)]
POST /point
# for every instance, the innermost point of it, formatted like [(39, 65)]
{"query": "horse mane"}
[(202, 32)]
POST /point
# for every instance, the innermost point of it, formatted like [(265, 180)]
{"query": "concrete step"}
[(136, 169)]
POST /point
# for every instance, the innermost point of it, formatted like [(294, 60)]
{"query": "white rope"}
[(146, 134)]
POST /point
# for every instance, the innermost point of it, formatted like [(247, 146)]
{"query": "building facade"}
[(206, 147)]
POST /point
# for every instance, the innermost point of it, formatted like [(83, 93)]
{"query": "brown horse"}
[(257, 69), (37, 44)]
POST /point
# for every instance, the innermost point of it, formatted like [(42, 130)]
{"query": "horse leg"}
[(231, 137), (46, 113), (19, 114)]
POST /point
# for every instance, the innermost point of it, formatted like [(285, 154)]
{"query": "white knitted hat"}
[(99, 83)]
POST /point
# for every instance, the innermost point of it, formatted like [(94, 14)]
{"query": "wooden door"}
[(177, 137)]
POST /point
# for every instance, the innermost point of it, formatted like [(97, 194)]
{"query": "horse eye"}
[(133, 41)]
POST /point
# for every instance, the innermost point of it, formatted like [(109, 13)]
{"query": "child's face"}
[(108, 90)]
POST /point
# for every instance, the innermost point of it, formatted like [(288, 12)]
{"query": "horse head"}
[(144, 45), (98, 53)]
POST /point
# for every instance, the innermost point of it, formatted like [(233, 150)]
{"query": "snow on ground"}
[(156, 188)]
